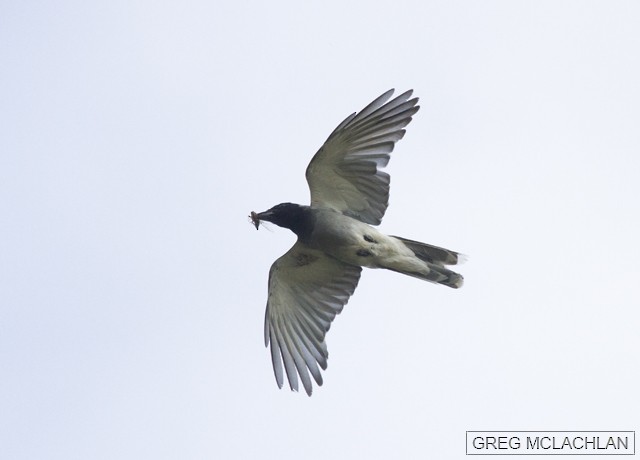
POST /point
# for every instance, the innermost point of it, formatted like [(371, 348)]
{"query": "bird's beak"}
[(265, 215)]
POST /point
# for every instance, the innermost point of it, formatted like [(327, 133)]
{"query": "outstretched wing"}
[(345, 173), (307, 289)]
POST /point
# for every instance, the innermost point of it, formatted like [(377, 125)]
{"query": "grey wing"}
[(345, 173), (307, 289)]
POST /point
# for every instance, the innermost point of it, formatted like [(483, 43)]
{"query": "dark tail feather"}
[(436, 274), (432, 254), (435, 259)]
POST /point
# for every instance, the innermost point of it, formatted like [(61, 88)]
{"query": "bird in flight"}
[(310, 284)]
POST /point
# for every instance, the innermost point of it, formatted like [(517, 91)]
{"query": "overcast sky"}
[(137, 136)]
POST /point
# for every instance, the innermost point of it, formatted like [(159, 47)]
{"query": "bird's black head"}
[(289, 215)]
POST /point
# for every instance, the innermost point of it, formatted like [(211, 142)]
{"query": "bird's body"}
[(356, 243), (312, 282)]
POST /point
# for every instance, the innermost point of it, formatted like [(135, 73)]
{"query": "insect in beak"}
[(255, 219)]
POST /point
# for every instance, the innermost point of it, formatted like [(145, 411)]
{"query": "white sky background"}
[(137, 136)]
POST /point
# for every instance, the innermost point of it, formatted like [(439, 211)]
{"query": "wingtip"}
[(384, 97)]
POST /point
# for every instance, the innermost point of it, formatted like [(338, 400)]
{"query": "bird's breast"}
[(350, 240)]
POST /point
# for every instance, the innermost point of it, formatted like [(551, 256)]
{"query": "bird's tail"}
[(433, 254), (435, 258)]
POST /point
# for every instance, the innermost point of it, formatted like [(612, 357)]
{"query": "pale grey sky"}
[(137, 137)]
